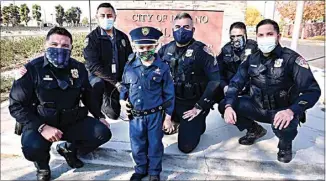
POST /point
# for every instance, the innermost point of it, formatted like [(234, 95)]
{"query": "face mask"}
[(183, 36), (106, 24), (147, 55), (238, 43), (58, 57), (266, 45)]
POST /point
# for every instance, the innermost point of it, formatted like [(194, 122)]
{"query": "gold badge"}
[(74, 73), (145, 31), (278, 62), (189, 53)]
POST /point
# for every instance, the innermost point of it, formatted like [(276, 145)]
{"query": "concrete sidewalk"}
[(217, 156)]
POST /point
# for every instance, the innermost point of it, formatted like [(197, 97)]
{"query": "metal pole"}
[(90, 16), (297, 22)]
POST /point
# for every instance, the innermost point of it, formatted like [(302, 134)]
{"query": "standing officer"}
[(148, 86), (232, 54), (196, 78), (106, 53), (282, 87), (45, 100)]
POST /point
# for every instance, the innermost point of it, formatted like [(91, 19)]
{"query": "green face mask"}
[(147, 55)]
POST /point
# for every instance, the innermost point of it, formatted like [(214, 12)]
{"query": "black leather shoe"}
[(70, 156), (154, 178), (285, 152), (43, 172), (137, 177), (252, 135)]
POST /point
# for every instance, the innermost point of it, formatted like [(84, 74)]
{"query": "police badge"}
[(74, 73), (145, 31), (247, 52), (278, 62), (189, 52), (123, 42)]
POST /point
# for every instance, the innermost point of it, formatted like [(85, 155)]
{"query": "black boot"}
[(285, 151), (137, 177), (43, 172), (154, 178), (252, 135), (70, 156)]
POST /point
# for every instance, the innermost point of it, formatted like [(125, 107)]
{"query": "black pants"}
[(85, 136), (107, 97), (189, 131), (248, 110)]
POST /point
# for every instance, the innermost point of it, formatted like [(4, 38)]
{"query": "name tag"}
[(114, 68)]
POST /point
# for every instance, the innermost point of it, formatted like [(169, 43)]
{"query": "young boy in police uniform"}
[(148, 91)]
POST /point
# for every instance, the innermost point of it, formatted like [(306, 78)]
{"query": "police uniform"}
[(196, 77), (150, 91), (51, 96), (280, 81), (105, 58), (229, 61)]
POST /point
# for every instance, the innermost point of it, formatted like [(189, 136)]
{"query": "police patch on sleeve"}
[(20, 72), (302, 62), (86, 42), (208, 50)]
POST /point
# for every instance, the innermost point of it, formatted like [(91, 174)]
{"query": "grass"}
[(6, 83)]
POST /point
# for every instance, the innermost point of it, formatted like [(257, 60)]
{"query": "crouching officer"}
[(196, 78), (282, 87), (232, 54), (45, 100), (106, 52), (148, 86)]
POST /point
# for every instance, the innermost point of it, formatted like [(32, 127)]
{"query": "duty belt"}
[(146, 112)]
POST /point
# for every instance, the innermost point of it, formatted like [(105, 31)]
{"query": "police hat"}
[(145, 35)]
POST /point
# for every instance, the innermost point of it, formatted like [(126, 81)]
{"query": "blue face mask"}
[(183, 36), (107, 24), (58, 57)]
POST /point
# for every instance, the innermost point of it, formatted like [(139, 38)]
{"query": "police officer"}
[(45, 100), (232, 54), (282, 87), (106, 53), (148, 86), (196, 77)]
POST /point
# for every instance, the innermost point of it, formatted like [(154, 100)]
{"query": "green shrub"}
[(321, 38), (6, 84), (17, 51)]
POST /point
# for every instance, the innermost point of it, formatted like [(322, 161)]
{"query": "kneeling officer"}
[(45, 101)]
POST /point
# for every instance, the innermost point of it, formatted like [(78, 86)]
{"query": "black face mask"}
[(238, 43)]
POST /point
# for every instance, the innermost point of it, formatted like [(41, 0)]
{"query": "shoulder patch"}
[(208, 50), (86, 42), (302, 62), (20, 72)]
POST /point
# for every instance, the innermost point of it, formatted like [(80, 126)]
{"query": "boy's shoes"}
[(137, 176), (154, 178)]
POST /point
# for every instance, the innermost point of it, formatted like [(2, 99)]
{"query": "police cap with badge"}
[(145, 35)]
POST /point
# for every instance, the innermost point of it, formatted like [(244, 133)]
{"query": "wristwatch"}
[(40, 129), (197, 106)]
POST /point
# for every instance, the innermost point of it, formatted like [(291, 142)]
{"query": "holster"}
[(18, 128)]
